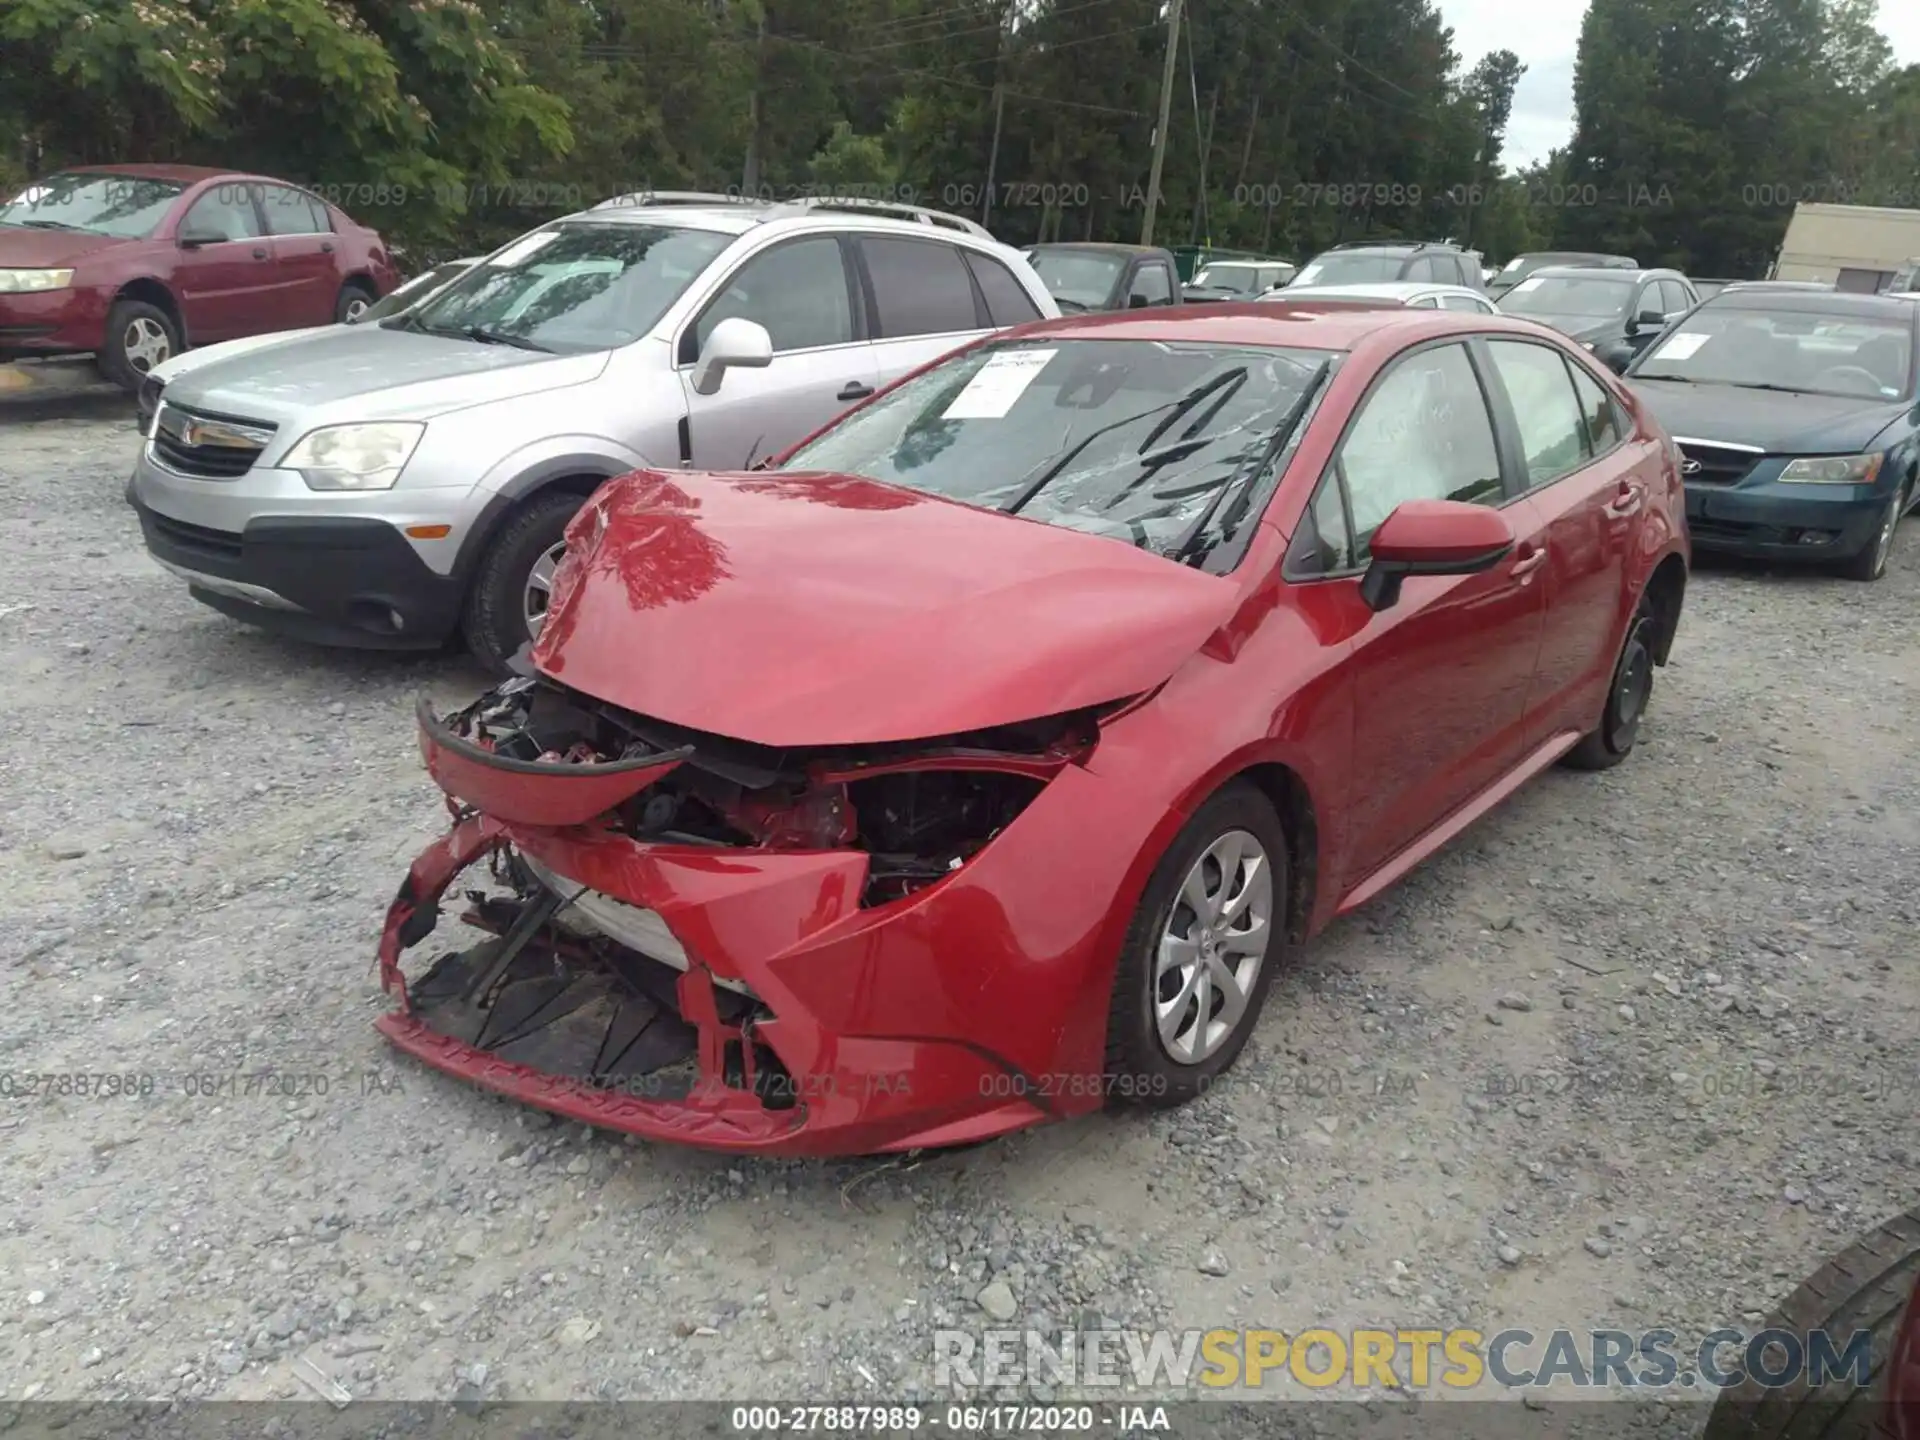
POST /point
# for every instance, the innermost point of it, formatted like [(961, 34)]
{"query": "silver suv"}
[(392, 484)]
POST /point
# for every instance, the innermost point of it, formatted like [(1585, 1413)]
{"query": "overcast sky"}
[(1544, 33)]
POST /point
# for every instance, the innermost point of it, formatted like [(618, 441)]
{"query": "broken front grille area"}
[(550, 990)]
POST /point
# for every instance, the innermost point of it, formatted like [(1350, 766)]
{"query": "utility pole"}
[(1160, 131), (999, 106)]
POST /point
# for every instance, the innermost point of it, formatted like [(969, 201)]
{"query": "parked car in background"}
[(1521, 266), (132, 263), (945, 750), (407, 293), (1415, 295), (1222, 280), (1614, 313), (393, 484), (1706, 289), (1367, 261), (1796, 413), (1090, 276)]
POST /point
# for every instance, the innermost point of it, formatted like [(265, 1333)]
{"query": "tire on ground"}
[(496, 624), (114, 361)]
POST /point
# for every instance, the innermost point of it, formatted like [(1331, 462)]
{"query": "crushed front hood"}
[(799, 610)]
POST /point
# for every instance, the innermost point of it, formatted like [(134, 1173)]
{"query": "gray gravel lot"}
[(1637, 1051)]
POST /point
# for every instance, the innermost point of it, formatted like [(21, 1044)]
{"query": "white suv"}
[(391, 484)]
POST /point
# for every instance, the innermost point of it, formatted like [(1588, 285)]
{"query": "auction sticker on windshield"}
[(998, 384), (1681, 346), (1526, 286)]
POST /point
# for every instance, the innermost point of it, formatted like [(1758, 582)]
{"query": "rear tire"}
[(355, 297), (497, 622), (139, 336), (1629, 692), (1152, 995), (1865, 1287), (1870, 561)]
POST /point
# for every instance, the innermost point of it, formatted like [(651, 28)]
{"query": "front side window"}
[(1552, 432), (1153, 285), (123, 206), (1423, 434), (572, 287), (1151, 443), (920, 287), (798, 291)]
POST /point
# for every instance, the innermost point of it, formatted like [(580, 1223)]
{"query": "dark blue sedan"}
[(1796, 415)]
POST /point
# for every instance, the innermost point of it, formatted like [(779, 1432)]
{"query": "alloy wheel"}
[(145, 344), (539, 589), (1212, 947), (1883, 543)]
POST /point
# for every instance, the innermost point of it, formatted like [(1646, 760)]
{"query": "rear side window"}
[(292, 212), (919, 286), (1007, 300), (1552, 432), (1604, 427)]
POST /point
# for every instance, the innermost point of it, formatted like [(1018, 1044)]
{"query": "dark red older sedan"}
[(979, 763), (132, 263)]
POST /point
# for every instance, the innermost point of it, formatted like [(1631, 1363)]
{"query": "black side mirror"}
[(1137, 301), (1649, 320)]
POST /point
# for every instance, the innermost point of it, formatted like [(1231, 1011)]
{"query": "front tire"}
[(139, 336), (355, 297), (1870, 561), (1865, 1287), (1200, 954), (507, 603), (1629, 693)]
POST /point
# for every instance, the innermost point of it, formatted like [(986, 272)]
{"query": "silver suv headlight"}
[(354, 457)]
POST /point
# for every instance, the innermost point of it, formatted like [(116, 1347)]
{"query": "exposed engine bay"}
[(918, 810)]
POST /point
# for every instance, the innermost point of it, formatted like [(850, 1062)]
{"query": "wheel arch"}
[(1666, 591), (567, 475), (153, 292), (1287, 792)]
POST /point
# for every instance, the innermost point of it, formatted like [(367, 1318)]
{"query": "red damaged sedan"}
[(980, 763)]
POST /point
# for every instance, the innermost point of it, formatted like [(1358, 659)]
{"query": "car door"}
[(802, 292), (1440, 680), (223, 267), (1585, 490), (306, 261), (923, 301)]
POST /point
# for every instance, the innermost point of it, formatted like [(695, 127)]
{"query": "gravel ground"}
[(1636, 1051)]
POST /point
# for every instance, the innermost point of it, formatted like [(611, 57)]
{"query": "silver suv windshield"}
[(575, 286), (1159, 445)]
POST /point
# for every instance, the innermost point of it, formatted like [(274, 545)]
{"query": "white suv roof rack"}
[(885, 209), (673, 197)]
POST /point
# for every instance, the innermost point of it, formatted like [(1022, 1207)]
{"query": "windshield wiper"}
[(1187, 547), (502, 337), (1765, 385), (45, 224)]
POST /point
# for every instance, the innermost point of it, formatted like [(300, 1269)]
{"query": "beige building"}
[(1862, 248)]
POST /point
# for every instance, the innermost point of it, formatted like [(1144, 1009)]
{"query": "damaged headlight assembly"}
[(355, 457)]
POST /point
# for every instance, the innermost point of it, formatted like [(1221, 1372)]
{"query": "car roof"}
[(1105, 247), (731, 216), (1601, 272), (184, 174), (1401, 290), (1340, 325), (1815, 302)]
